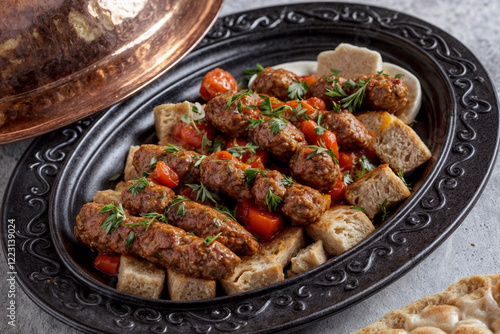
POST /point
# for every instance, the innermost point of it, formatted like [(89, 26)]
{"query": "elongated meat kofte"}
[(181, 161), (157, 242), (202, 220), (205, 221)]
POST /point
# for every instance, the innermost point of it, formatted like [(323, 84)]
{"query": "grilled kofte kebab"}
[(236, 114)]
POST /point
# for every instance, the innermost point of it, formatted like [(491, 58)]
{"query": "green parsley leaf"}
[(115, 217), (236, 97), (381, 72), (360, 208), (347, 178), (251, 173), (254, 122), (203, 194), (176, 200), (137, 187), (286, 181), (151, 217), (296, 91), (272, 200), (355, 100), (397, 76), (199, 159), (225, 210), (130, 238), (277, 124), (336, 91), (320, 130), (251, 71), (172, 148), (238, 150), (404, 181), (195, 109), (382, 206), (322, 149), (152, 163), (208, 240), (181, 211), (205, 142), (334, 72), (218, 145)]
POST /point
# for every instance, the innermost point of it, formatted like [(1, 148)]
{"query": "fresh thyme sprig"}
[(115, 217)]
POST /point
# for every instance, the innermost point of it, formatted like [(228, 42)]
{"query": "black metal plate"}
[(459, 121)]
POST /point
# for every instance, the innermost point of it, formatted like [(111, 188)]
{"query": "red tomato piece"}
[(307, 128), (338, 191), (217, 82), (263, 223), (329, 140), (310, 79), (316, 102), (189, 135), (346, 161), (165, 175), (108, 263)]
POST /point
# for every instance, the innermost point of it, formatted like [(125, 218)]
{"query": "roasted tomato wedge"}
[(165, 175), (108, 263), (194, 134), (217, 82)]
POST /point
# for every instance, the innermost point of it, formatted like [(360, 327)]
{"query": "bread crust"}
[(471, 305)]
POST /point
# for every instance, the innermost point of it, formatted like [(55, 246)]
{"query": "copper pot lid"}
[(63, 60)]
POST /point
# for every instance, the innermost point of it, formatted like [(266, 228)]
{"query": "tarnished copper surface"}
[(62, 60)]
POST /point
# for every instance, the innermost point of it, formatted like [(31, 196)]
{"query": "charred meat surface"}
[(350, 132), (181, 161), (274, 82), (226, 176), (319, 171), (145, 195), (228, 112), (385, 93), (281, 144), (158, 242), (303, 205), (205, 221), (265, 181)]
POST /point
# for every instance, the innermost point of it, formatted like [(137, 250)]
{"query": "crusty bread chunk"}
[(252, 273), (107, 196), (284, 245), (266, 267), (166, 117), (352, 61), (395, 142), (469, 306), (140, 277), (340, 228), (375, 188), (181, 287), (307, 259), (130, 173)]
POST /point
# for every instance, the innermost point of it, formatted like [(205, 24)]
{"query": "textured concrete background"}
[(472, 249)]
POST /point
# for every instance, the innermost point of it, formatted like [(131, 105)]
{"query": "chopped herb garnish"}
[(300, 113), (238, 150), (355, 100), (205, 142), (152, 163), (255, 121), (225, 210), (336, 91), (286, 181), (137, 187), (236, 97), (181, 211), (347, 178), (115, 176), (115, 217), (360, 208), (334, 72), (218, 145), (385, 213), (199, 159), (266, 105), (251, 173), (151, 217), (321, 149), (381, 72), (404, 181), (397, 76), (195, 109), (210, 239), (130, 238), (228, 169), (203, 194), (177, 199), (320, 130), (277, 124), (366, 165), (272, 200), (172, 148), (216, 222), (251, 71), (296, 91), (350, 84)]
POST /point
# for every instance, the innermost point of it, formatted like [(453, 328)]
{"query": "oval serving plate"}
[(458, 121)]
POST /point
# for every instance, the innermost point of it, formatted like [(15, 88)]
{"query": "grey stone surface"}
[(472, 249)]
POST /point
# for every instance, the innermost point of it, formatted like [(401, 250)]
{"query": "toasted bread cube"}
[(181, 287), (140, 277), (166, 117), (340, 228), (252, 273), (307, 259), (395, 142), (352, 61), (284, 245), (375, 188), (108, 196), (130, 173)]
